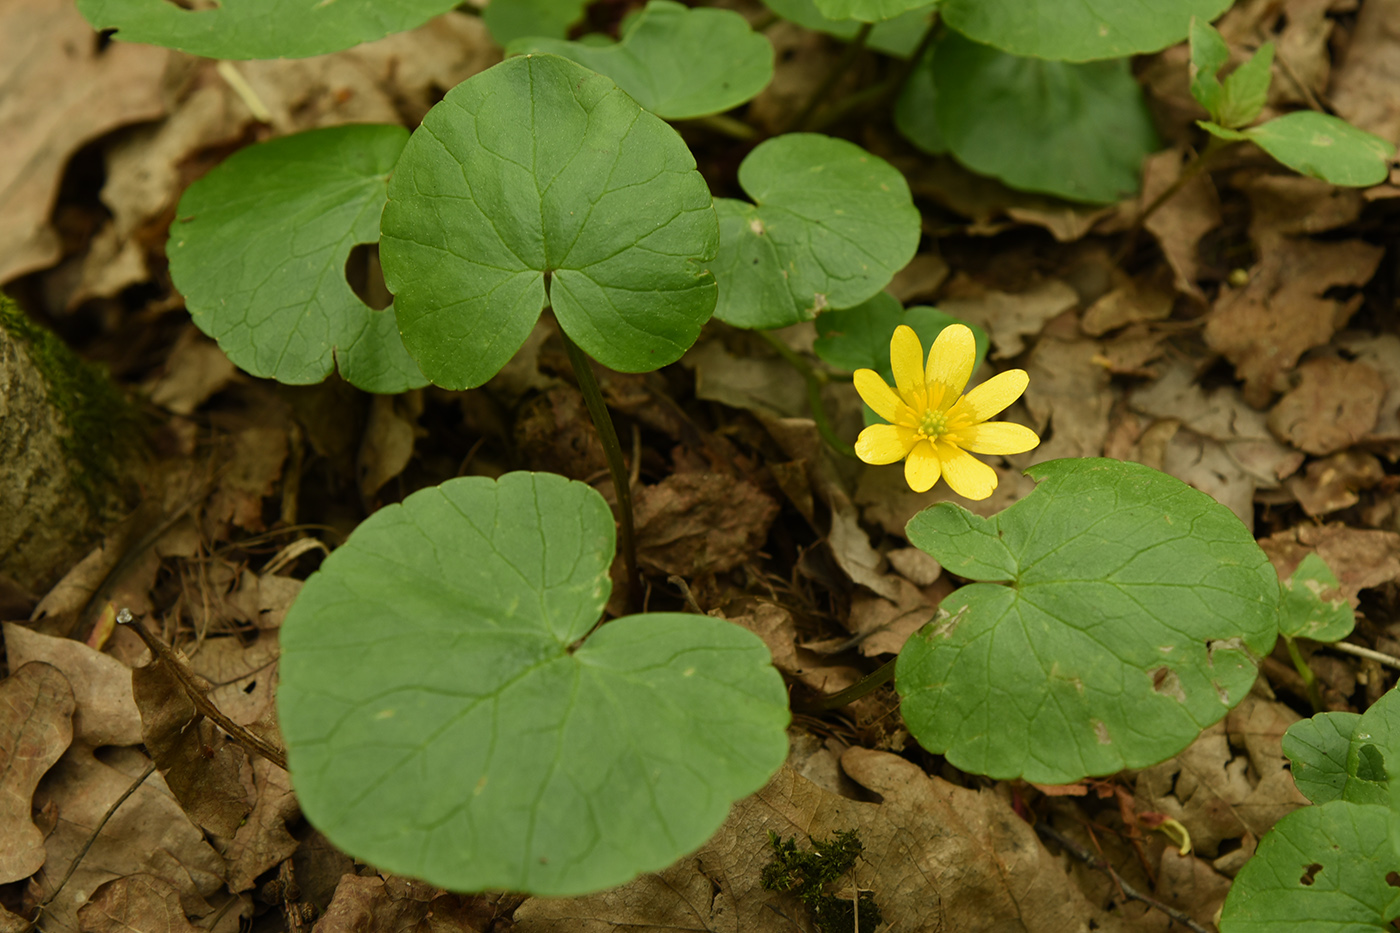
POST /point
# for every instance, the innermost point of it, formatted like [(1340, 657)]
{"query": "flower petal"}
[(884, 443), (907, 361), (921, 470), (878, 395), (968, 476), (988, 399), (997, 437), (950, 362)]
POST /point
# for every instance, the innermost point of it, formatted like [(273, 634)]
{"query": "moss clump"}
[(807, 874), (103, 428)]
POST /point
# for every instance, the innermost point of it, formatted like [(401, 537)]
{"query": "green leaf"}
[(1329, 764), (916, 109), (259, 245), (898, 37), (1238, 101), (448, 715), (1247, 88), (676, 62), (1209, 54), (867, 11), (1320, 869), (1312, 605), (1135, 610), (1072, 30), (1078, 131), (260, 28), (534, 182), (516, 19), (833, 224), (859, 337), (1321, 146)]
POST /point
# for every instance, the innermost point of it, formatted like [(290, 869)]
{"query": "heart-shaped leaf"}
[(1133, 612), (674, 61), (1072, 30), (1078, 131), (260, 28), (540, 182), (898, 37), (1312, 606), (1346, 756), (449, 716), (517, 19), (831, 223), (1323, 869), (259, 245)]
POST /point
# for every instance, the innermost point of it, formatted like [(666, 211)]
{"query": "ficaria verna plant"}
[(455, 704)]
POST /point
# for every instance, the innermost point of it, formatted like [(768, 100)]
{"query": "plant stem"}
[(875, 96), (1305, 672), (622, 486), (837, 72), (814, 381), (867, 684), (1214, 146), (724, 125)]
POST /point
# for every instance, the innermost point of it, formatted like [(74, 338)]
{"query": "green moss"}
[(103, 427), (807, 874)]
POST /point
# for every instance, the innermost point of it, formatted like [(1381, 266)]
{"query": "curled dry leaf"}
[(1334, 405), (36, 726), (1182, 220), (105, 713)]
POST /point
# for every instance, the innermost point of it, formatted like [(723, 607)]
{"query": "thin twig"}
[(1360, 652), (101, 824), (250, 742), (679, 583), (1300, 664), (814, 381), (1093, 861), (867, 684)]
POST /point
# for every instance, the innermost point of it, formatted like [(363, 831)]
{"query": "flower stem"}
[(622, 486), (837, 72), (867, 684), (1305, 672), (815, 381)]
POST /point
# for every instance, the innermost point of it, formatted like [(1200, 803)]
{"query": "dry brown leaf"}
[(937, 858), (1363, 85), (554, 433), (774, 625), (263, 599), (1381, 353), (1331, 485), (202, 768), (919, 280), (1008, 318), (394, 905), (1181, 221), (850, 546), (136, 902), (1130, 303), (763, 386), (697, 523), (36, 727), (918, 567), (1361, 559), (1292, 205), (105, 712), (263, 842), (1069, 398), (149, 833), (1282, 312), (194, 370), (386, 446), (243, 675), (251, 469), (886, 625), (1334, 405), (62, 90)]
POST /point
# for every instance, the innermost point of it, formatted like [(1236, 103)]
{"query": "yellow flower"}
[(931, 428)]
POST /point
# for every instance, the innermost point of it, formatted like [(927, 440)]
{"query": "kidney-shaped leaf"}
[(1311, 604), (1078, 131), (540, 182), (1122, 615), (1328, 762), (831, 223), (1072, 30), (1323, 869), (676, 62), (259, 245), (260, 28), (898, 36), (449, 716)]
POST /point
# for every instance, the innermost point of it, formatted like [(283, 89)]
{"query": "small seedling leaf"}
[(1322, 146), (260, 28), (898, 37), (517, 19), (1247, 89), (1071, 30), (676, 62), (1209, 54), (448, 715), (1323, 869), (840, 222), (1132, 613), (540, 182), (1312, 606), (1077, 131), (259, 246)]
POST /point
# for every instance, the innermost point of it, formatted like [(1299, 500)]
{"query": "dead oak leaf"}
[(1334, 405), (1182, 220), (394, 905), (105, 713), (36, 727), (1283, 311), (136, 902), (1010, 319), (1363, 85), (1360, 558), (263, 842)]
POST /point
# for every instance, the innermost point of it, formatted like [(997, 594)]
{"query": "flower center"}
[(932, 423)]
